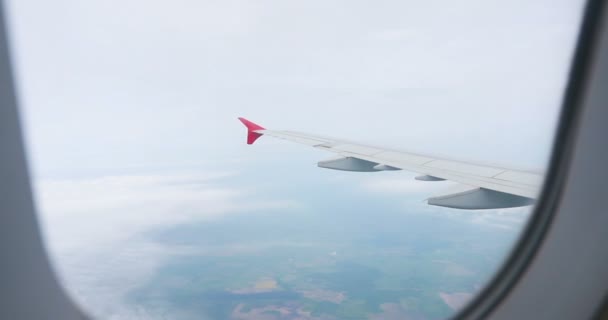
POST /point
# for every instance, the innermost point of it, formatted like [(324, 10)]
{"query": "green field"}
[(356, 272)]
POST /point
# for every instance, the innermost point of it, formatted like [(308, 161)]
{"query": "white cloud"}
[(93, 230), (404, 183), (78, 213), (508, 219)]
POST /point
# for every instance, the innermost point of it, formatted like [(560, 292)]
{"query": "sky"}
[(108, 85), (129, 107)]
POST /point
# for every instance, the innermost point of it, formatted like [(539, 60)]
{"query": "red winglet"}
[(251, 127)]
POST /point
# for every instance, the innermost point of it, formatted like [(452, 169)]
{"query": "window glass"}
[(153, 206)]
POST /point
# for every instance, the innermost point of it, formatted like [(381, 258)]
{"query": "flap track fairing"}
[(480, 198)]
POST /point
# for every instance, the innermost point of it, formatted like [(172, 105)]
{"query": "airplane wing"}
[(485, 187)]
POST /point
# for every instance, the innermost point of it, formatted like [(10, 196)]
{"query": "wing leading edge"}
[(485, 187)]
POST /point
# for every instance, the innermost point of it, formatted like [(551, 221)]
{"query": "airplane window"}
[(286, 160)]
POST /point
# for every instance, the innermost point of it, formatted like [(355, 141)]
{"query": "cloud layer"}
[(93, 229)]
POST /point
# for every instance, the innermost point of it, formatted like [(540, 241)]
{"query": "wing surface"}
[(490, 187)]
